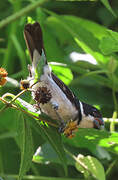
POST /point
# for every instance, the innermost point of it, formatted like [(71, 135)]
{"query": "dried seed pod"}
[(42, 95), (3, 75), (24, 84), (3, 72)]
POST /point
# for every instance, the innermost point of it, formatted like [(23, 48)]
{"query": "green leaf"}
[(46, 154), (26, 144), (109, 43), (85, 38), (107, 5), (62, 72), (112, 65), (91, 138), (7, 135), (54, 53), (110, 142), (53, 137), (50, 134), (20, 52), (93, 166)]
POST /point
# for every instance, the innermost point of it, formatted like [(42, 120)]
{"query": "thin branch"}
[(21, 13), (9, 104), (111, 168)]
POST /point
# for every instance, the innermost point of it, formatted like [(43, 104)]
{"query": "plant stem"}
[(35, 117), (30, 177), (114, 99), (22, 12), (19, 94), (3, 108), (9, 104), (112, 167), (112, 124)]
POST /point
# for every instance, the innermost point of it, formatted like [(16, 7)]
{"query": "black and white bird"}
[(52, 96)]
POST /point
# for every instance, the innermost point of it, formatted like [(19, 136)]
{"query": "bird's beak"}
[(99, 123)]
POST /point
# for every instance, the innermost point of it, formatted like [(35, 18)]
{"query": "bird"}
[(51, 95)]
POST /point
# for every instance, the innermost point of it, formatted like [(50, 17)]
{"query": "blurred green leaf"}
[(7, 135), (112, 65), (109, 43), (107, 5), (54, 53), (20, 52), (82, 35)]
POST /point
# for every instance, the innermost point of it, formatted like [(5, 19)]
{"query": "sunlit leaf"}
[(91, 138), (83, 36), (63, 73), (93, 166)]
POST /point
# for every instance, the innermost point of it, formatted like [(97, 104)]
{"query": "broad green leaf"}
[(54, 53), (8, 119), (9, 155), (94, 167), (52, 135), (62, 72), (26, 144), (107, 5), (110, 142), (84, 38), (82, 35), (91, 138), (109, 43)]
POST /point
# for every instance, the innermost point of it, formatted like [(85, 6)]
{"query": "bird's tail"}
[(34, 40)]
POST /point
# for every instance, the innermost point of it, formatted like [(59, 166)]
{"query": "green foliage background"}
[(68, 26)]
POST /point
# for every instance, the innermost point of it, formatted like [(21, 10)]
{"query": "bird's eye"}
[(95, 112)]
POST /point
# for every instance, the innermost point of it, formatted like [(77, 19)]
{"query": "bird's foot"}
[(69, 129)]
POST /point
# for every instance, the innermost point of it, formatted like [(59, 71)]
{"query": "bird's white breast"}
[(66, 109)]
